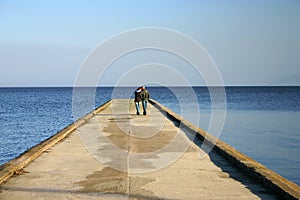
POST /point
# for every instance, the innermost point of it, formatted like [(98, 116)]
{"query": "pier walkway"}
[(116, 154)]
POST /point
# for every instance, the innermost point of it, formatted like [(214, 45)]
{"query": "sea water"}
[(262, 122)]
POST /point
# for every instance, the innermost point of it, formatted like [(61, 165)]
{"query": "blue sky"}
[(44, 43)]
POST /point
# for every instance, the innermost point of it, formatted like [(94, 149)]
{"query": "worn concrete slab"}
[(119, 155)]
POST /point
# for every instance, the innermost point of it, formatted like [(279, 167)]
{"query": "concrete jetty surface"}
[(112, 153)]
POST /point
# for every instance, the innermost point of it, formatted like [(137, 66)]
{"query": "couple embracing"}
[(141, 94)]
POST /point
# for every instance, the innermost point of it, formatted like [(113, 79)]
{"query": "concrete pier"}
[(112, 153)]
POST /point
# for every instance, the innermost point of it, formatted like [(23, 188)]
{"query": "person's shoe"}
[(137, 113), (144, 113)]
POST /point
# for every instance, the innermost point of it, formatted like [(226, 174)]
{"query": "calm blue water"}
[(262, 122)]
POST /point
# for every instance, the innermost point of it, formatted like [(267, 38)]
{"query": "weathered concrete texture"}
[(119, 155)]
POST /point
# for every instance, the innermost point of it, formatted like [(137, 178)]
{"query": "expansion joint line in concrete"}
[(128, 164)]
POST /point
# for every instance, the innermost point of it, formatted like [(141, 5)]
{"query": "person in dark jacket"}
[(141, 94), (137, 99)]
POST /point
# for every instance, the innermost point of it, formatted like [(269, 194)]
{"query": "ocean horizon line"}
[(158, 86)]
